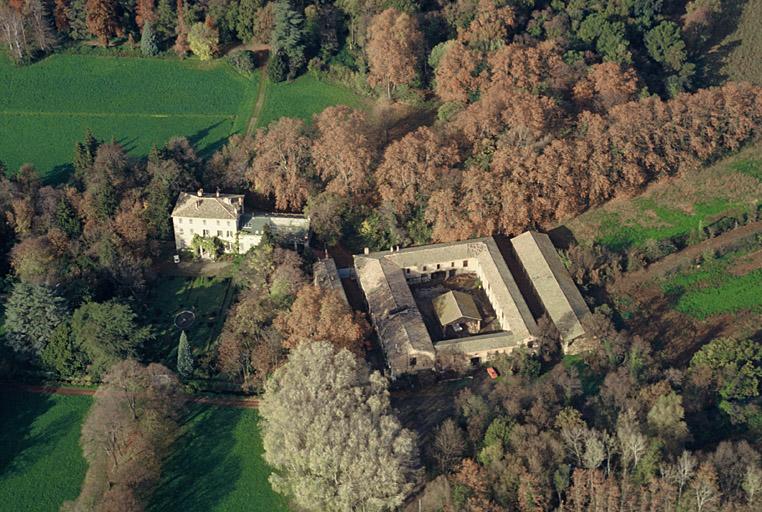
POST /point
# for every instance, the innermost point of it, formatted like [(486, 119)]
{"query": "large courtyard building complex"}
[(223, 216), (462, 297)]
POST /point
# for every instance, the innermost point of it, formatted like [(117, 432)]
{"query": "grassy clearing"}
[(217, 466), (677, 206), (208, 297), (715, 288), (41, 463), (47, 106), (304, 97), (741, 50)]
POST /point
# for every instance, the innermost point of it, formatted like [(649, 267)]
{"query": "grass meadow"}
[(217, 466), (46, 107), (729, 284), (677, 206), (41, 463), (208, 297), (303, 98)]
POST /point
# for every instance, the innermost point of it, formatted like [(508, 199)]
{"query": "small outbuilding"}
[(457, 311)]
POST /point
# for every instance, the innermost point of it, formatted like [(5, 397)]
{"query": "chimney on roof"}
[(200, 192), (366, 251), (218, 191), (198, 204)]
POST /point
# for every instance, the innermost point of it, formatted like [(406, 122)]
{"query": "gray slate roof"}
[(454, 306), (553, 284), (208, 206)]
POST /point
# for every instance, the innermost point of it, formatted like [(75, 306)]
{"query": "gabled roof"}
[(454, 306), (209, 206), (552, 283)]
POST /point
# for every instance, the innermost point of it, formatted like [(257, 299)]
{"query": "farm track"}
[(218, 401), (260, 100)]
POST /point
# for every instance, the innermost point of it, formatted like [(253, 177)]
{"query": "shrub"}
[(245, 62), (204, 40)]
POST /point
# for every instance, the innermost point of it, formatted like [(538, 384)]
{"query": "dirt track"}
[(241, 403)]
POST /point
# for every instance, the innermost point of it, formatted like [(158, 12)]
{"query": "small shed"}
[(457, 310)]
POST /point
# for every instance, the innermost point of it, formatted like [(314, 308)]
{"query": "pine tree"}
[(148, 44), (184, 357), (289, 36), (277, 70)]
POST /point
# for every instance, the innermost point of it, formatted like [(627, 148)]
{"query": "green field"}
[(208, 297), (678, 206), (304, 97), (714, 288), (41, 463), (47, 106), (217, 466)]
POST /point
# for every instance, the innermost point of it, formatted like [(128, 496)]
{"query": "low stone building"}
[(326, 276), (386, 278), (457, 313), (222, 218)]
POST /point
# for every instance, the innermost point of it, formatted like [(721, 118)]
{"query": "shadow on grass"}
[(18, 411), (203, 468)]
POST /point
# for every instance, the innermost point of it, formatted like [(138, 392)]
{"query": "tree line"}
[(388, 44)]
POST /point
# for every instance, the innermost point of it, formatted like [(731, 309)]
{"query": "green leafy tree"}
[(248, 10), (66, 219), (736, 369), (277, 70), (204, 40), (609, 37), (665, 45), (345, 450), (184, 357), (149, 45), (32, 313), (63, 355), (289, 36), (84, 155), (107, 332)]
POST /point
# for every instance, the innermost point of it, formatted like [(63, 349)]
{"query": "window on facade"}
[(206, 232), (424, 267), (465, 263), (407, 270), (230, 233), (413, 361), (191, 230), (180, 220), (475, 361), (218, 223), (180, 231), (219, 232), (452, 264), (190, 221)]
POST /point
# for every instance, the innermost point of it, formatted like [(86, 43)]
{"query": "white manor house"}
[(223, 217)]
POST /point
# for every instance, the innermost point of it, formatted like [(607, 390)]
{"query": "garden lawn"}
[(46, 107), (41, 463), (718, 287), (208, 297), (677, 206), (303, 98), (217, 466)]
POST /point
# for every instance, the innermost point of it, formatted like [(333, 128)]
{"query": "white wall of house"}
[(186, 228)]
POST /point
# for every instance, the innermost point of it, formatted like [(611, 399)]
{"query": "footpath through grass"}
[(676, 207), (217, 466), (46, 107), (41, 463), (303, 98)]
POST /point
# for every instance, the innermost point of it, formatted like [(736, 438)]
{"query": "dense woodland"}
[(539, 111)]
